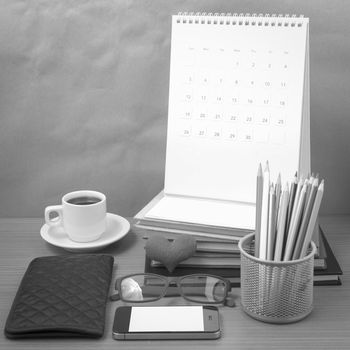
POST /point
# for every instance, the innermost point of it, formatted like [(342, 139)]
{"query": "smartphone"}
[(166, 322)]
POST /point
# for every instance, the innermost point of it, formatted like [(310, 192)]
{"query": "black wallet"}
[(62, 296)]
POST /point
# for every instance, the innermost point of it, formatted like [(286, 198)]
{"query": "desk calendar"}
[(238, 96)]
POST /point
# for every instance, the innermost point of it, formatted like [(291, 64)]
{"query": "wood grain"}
[(326, 328)]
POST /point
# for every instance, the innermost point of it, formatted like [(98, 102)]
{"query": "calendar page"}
[(235, 100)]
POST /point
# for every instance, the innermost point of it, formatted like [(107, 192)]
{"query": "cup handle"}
[(54, 209)]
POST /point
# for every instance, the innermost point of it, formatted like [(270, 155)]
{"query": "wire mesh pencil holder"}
[(276, 292)]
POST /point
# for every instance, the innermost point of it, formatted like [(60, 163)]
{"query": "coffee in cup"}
[(84, 200), (82, 215)]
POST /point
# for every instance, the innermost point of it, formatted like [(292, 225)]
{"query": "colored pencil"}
[(264, 214), (306, 219), (259, 192), (294, 225), (312, 221), (272, 224), (283, 211)]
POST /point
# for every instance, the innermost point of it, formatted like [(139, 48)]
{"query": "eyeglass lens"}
[(142, 288), (202, 289)]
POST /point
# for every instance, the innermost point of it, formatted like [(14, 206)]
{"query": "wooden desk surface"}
[(326, 328)]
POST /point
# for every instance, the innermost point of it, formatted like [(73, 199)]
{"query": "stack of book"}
[(223, 259), (206, 219), (211, 254)]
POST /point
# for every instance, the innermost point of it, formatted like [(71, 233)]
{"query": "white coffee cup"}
[(82, 215)]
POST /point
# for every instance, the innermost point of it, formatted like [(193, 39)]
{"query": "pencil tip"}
[(267, 166), (321, 186)]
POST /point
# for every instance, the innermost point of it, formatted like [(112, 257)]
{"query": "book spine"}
[(149, 229)]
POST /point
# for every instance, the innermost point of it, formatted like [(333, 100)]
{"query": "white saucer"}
[(117, 228)]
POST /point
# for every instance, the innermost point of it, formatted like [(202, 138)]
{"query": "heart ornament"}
[(170, 253)]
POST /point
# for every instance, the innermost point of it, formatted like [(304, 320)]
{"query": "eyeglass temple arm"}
[(229, 301), (114, 297)]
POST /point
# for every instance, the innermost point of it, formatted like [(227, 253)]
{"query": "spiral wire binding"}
[(240, 19)]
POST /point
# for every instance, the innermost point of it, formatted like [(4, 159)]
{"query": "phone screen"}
[(166, 319)]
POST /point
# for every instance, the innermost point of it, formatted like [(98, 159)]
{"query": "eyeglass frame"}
[(226, 300)]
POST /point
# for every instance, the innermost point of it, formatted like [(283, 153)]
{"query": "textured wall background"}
[(84, 89)]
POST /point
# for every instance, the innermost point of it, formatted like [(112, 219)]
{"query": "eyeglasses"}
[(200, 288)]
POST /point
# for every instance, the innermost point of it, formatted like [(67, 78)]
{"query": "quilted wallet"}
[(62, 296)]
